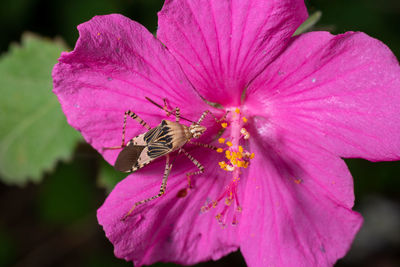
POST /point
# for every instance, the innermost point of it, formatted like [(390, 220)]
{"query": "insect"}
[(167, 137)]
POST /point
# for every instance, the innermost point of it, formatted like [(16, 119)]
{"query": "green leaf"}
[(108, 177), (309, 23), (34, 133), (67, 195), (8, 247)]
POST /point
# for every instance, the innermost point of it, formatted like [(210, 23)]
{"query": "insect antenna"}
[(165, 109)]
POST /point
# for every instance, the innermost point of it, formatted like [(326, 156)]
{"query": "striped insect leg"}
[(183, 192), (162, 189), (177, 114), (176, 111), (205, 113), (204, 145), (165, 107), (136, 118)]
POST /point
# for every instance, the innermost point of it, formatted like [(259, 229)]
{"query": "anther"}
[(222, 164), (245, 133)]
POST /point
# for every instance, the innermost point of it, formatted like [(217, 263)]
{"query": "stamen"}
[(245, 133), (237, 157), (222, 164)]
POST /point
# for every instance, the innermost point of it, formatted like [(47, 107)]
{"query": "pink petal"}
[(169, 228), (340, 92), (116, 64), (223, 45), (294, 212)]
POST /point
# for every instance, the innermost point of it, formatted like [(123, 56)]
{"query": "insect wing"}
[(145, 148), (159, 141), (128, 157)]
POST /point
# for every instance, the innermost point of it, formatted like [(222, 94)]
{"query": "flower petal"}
[(116, 64), (291, 216), (223, 45), (341, 92), (170, 228)]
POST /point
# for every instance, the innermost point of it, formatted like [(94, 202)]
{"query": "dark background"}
[(53, 223)]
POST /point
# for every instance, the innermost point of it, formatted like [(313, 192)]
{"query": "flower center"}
[(236, 158)]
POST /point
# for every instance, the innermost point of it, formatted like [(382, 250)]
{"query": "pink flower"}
[(304, 102)]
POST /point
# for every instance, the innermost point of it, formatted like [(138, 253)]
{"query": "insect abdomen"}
[(128, 157)]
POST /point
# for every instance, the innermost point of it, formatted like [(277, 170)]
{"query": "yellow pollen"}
[(229, 143), (240, 149), (234, 161), (221, 140), (222, 164), (252, 155), (244, 119), (220, 150), (224, 125), (237, 110)]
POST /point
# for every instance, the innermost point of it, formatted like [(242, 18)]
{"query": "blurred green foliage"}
[(34, 133), (108, 177), (374, 178), (67, 195), (7, 247), (379, 19)]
